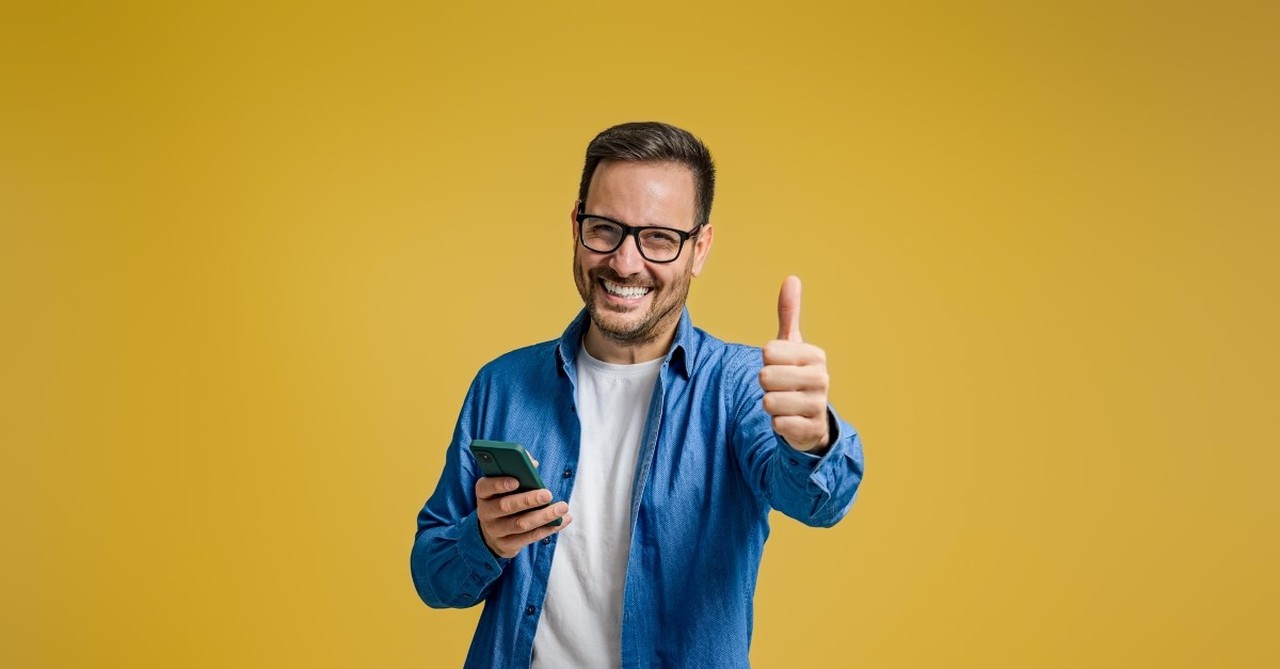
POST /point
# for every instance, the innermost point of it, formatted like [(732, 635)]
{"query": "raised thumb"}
[(789, 310)]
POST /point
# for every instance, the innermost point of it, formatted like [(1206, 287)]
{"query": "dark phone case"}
[(509, 459)]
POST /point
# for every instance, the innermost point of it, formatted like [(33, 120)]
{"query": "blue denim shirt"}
[(709, 470)]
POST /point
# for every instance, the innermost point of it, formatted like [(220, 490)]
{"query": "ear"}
[(702, 247), (573, 219)]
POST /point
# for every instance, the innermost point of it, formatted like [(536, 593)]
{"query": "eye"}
[(599, 227), (660, 238)]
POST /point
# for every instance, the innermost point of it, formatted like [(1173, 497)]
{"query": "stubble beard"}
[(643, 330)]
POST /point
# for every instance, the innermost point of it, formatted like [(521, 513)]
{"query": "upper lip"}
[(625, 285)]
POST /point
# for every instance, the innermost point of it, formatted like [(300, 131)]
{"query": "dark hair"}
[(654, 142)]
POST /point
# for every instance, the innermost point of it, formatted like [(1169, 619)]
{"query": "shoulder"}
[(717, 357), (513, 378), (533, 359), (539, 361)]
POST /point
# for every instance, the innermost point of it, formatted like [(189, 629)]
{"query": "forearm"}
[(817, 489), (451, 566), (814, 488)]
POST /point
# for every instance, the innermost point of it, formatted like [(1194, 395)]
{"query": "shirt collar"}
[(679, 358)]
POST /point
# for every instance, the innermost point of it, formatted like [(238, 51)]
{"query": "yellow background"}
[(251, 256)]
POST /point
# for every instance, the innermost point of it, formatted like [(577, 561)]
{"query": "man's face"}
[(632, 300)]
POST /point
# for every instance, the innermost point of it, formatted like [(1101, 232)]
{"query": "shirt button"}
[(528, 610), (568, 473), (488, 567), (466, 595), (546, 540)]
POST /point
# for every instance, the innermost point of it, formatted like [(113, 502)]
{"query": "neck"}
[(614, 352)]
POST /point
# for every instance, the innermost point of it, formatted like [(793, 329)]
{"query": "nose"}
[(626, 260)]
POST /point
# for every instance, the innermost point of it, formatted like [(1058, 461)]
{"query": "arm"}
[(450, 564), (792, 446), (472, 526), (816, 490)]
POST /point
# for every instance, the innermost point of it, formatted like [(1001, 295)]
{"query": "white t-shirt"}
[(581, 622)]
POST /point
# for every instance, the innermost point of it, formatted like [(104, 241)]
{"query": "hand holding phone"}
[(512, 504)]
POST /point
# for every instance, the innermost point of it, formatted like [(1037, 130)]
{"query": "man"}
[(670, 446)]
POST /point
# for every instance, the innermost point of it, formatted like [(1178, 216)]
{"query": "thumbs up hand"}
[(795, 379)]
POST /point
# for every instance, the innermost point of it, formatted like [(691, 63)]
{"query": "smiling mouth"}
[(625, 292)]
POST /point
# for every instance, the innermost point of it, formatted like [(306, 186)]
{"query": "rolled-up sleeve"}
[(450, 563), (815, 490)]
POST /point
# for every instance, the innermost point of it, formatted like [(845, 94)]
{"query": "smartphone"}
[(502, 458)]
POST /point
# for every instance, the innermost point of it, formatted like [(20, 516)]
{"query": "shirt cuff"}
[(484, 565), (809, 463)]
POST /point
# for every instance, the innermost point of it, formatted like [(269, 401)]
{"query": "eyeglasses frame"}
[(634, 231)]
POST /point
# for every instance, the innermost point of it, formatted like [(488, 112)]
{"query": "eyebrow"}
[(586, 214)]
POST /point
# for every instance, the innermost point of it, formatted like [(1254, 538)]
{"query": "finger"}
[(510, 505), (519, 541), (789, 310), (781, 352), (509, 546), (532, 520), (791, 403), (790, 377), (799, 431), (488, 487)]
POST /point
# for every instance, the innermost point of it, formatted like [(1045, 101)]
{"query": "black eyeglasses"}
[(657, 244)]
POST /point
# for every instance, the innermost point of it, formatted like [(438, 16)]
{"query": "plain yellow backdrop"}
[(251, 255)]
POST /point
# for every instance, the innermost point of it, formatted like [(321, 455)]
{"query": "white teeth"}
[(629, 292)]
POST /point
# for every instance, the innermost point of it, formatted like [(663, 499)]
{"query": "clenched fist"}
[(795, 378)]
